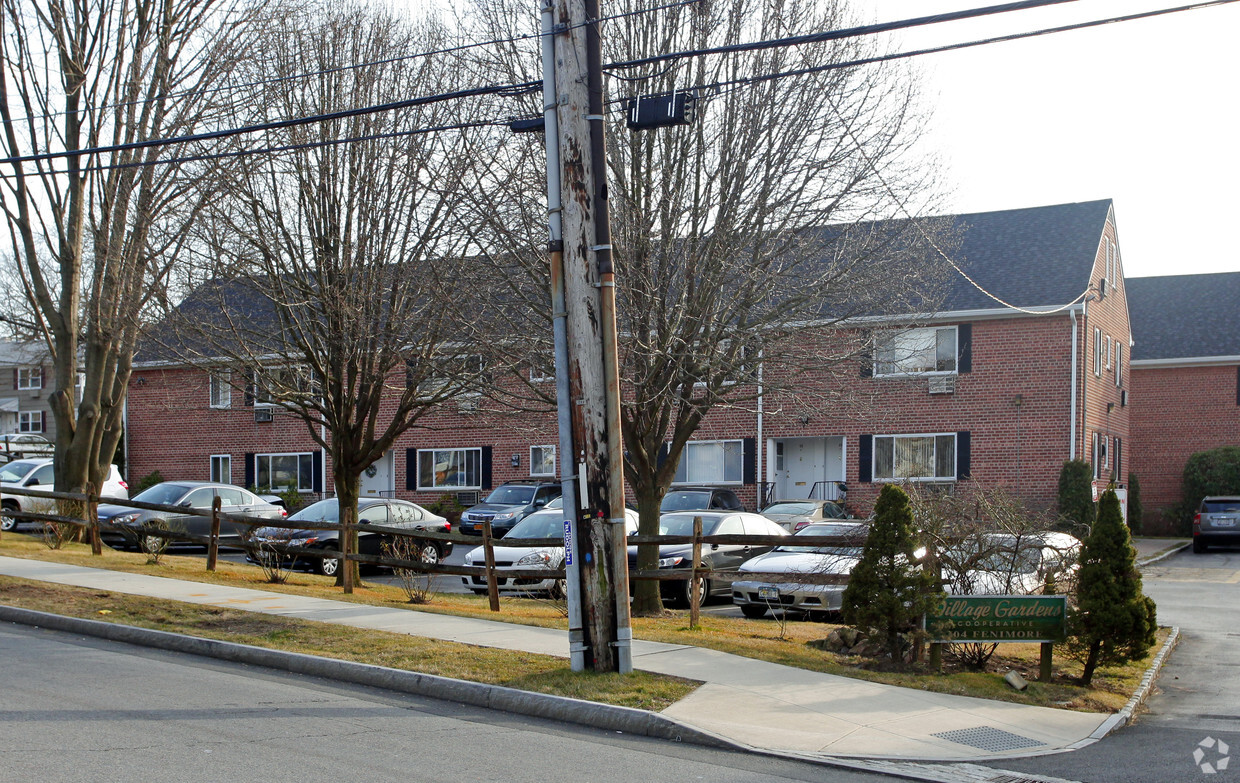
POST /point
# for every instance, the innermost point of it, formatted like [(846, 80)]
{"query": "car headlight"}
[(670, 562), (535, 558), (504, 517), (302, 541), (125, 519), (469, 559)]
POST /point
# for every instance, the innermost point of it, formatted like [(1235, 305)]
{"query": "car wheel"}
[(559, 588), (753, 611), (476, 591), (328, 566), (1199, 545), (682, 591), (8, 523), (153, 544), (428, 553)]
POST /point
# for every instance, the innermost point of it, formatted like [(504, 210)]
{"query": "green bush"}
[(888, 590), (1135, 513), (146, 482), (1114, 622), (1076, 494), (1214, 472), (447, 507)]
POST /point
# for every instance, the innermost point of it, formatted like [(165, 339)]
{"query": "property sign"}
[(998, 618)]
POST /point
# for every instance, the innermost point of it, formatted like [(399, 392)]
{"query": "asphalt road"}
[(1198, 694), (84, 709)]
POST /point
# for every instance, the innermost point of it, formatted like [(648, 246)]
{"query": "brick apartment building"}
[(1185, 381), (26, 382), (1024, 367)]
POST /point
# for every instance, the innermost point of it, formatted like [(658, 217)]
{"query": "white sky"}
[(1142, 112)]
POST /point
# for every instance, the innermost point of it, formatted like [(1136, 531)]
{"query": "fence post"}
[(213, 546), (489, 555), (694, 603), (92, 519)]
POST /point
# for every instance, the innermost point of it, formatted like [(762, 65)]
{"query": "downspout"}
[(1072, 404), (761, 445)]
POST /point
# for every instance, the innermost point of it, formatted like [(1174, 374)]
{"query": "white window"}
[(916, 351), (29, 377), (1117, 270), (915, 457), (711, 462), (221, 468), (1119, 363), (542, 460), (1098, 352), (278, 472), (220, 391), (463, 370), (449, 469), (30, 421), (271, 384), (1110, 351), (1101, 457)]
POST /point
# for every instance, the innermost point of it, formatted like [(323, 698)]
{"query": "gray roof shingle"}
[(1179, 316)]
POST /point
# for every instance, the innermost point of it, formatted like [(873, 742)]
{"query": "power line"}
[(372, 63), (833, 35)]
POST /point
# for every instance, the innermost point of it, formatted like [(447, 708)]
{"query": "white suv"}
[(38, 474)]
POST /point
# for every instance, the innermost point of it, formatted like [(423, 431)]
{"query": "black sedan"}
[(385, 512), (717, 557), (121, 527)]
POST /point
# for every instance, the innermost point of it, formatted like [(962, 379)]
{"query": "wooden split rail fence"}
[(701, 543)]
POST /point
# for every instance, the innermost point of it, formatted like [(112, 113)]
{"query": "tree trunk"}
[(1091, 662), (347, 486), (646, 598)]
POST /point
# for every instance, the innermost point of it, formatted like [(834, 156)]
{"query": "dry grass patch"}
[(791, 644)]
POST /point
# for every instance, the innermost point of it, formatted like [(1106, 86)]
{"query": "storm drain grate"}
[(988, 738)]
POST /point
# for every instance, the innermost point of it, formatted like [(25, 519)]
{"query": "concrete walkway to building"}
[(761, 705)]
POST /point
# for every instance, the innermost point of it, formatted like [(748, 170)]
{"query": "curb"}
[(628, 720), (1142, 692), (1164, 555)]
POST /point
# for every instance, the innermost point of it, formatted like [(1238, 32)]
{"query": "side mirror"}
[(34, 482), (186, 504)]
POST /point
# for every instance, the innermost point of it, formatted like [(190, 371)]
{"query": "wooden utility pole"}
[(591, 362)]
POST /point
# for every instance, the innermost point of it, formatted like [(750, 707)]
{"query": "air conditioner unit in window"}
[(467, 406), (942, 384), (467, 498), (264, 415)]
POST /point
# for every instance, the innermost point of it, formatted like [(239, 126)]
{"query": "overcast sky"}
[(1142, 112)]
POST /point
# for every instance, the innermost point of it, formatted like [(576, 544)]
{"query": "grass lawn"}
[(768, 639)]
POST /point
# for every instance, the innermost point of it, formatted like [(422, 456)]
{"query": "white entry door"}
[(377, 479), (798, 465)]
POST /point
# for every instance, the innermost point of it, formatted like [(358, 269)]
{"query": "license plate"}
[(768, 593), (1224, 522)]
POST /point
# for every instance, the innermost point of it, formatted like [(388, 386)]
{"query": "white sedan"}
[(755, 597), (511, 556)]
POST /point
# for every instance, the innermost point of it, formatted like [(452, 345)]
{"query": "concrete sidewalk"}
[(764, 706)]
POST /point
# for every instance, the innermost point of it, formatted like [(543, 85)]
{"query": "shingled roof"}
[(1033, 257), (1184, 316)]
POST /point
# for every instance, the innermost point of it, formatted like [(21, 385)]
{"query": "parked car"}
[(1216, 522), (547, 523), (755, 597), (508, 504), (124, 524), (719, 557), (388, 512), (1005, 564), (700, 499), (792, 515), (24, 444), (40, 474)]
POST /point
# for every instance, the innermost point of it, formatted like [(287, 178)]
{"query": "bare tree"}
[(739, 234), (94, 230), (331, 284)]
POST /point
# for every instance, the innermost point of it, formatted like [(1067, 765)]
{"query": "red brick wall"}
[(1178, 411)]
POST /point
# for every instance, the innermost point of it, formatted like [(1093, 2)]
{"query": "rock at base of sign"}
[(1015, 680)]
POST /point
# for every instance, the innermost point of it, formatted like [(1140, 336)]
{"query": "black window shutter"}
[(866, 357), (1119, 453), (964, 348), (963, 456), (1238, 385), (411, 469), (316, 478), (486, 467), (15, 381), (663, 451), (249, 388), (249, 470), (749, 461), (865, 459)]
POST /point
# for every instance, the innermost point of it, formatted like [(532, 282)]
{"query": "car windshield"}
[(685, 500), (323, 511), (682, 524), (851, 531), (537, 526), (790, 508), (16, 471), (1209, 506), (511, 496), (164, 494)]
